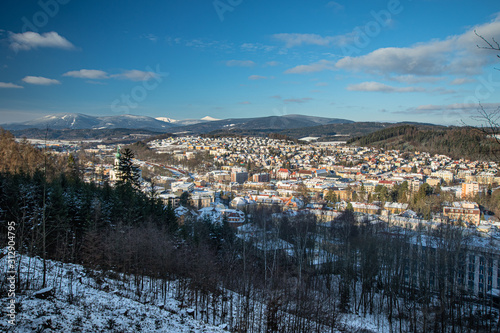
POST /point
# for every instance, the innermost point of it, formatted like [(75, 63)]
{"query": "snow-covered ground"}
[(93, 301), (82, 304)]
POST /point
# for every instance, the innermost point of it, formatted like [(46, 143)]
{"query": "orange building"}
[(469, 189)]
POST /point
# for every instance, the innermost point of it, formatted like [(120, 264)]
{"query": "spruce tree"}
[(128, 172)]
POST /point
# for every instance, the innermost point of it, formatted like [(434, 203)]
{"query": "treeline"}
[(59, 213), (456, 142)]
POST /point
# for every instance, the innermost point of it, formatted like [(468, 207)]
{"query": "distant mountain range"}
[(164, 124), (183, 122), (82, 121)]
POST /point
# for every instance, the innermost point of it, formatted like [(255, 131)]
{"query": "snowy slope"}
[(87, 302), (92, 301)]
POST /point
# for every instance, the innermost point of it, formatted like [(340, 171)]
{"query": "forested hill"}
[(456, 142)]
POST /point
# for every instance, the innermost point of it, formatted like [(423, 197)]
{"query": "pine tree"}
[(128, 172)]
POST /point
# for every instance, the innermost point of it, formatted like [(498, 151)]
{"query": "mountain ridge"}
[(83, 121), (194, 126)]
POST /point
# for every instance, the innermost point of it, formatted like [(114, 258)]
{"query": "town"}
[(228, 179), (320, 178)]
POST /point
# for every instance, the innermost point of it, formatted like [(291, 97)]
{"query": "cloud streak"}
[(312, 68), (135, 75), (257, 77), (40, 80), (296, 39), (240, 63), (6, 85), (31, 40), (297, 100), (93, 74), (380, 87)]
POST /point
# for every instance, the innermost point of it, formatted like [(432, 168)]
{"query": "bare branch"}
[(491, 45)]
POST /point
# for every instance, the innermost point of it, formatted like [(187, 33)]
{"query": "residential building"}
[(469, 189), (239, 177), (464, 211)]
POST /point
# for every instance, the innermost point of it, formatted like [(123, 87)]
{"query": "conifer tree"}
[(129, 173)]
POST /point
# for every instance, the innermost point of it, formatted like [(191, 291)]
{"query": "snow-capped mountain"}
[(208, 118), (82, 121), (165, 119), (184, 122)]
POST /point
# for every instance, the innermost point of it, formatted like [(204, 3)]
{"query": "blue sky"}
[(395, 60)]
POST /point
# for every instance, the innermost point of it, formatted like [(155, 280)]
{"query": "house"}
[(283, 174), (361, 207), (464, 211), (395, 207)]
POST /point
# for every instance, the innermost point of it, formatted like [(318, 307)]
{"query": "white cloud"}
[(411, 79), (456, 106), (297, 100), (10, 85), (455, 109), (257, 77), (311, 68), (93, 74), (253, 47), (456, 54), (299, 39), (39, 80), (321, 84), (32, 40), (380, 87), (272, 63), (460, 81), (240, 63), (296, 39), (135, 75)]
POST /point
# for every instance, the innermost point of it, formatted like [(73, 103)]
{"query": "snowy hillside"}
[(84, 300)]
